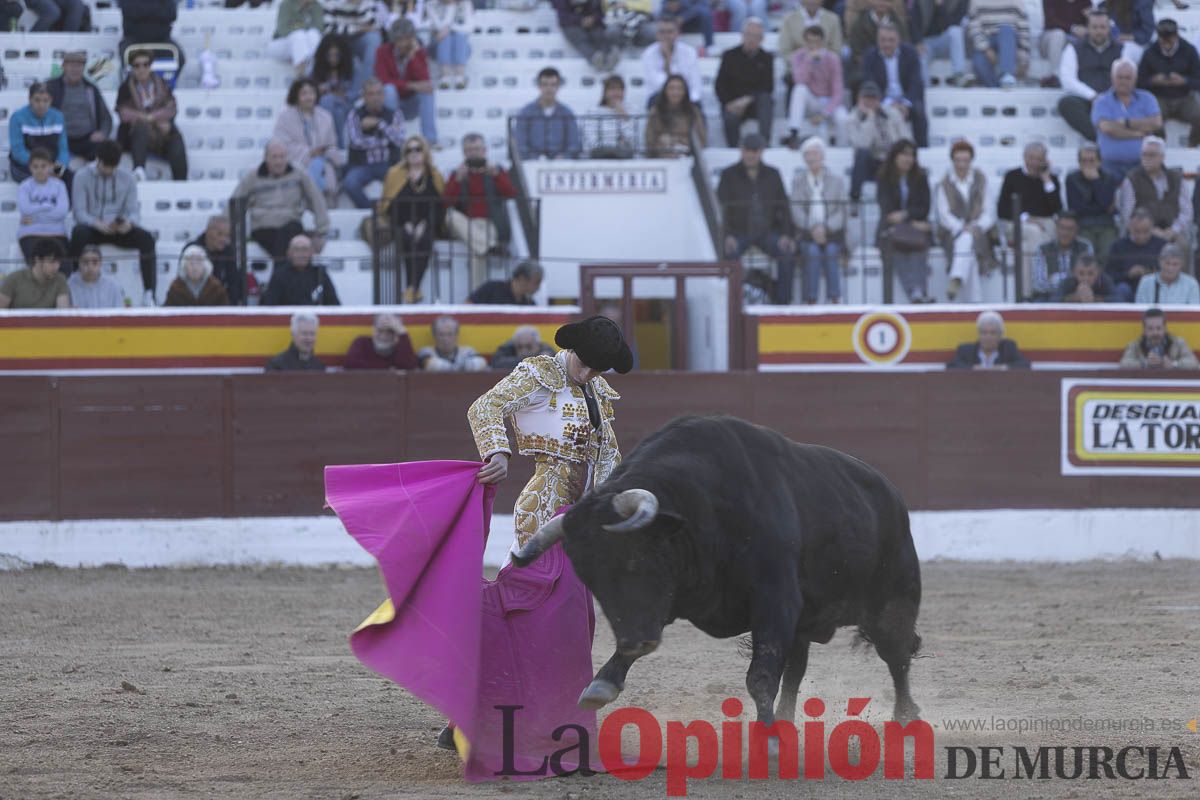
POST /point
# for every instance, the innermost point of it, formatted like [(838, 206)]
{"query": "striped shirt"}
[(349, 17), (985, 17)]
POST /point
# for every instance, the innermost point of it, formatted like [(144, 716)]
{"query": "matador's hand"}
[(495, 470)]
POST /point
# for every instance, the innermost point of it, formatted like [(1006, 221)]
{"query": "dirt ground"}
[(238, 683)]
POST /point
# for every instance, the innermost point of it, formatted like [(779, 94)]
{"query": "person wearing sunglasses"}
[(147, 110)]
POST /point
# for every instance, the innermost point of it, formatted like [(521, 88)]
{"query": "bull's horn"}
[(542, 541), (637, 506)]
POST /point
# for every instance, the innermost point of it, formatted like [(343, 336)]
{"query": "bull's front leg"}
[(772, 635), (608, 683)]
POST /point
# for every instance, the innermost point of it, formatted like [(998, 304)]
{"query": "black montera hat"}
[(598, 343)]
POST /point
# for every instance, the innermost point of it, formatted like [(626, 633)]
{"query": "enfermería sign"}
[(1129, 427), (586, 180)]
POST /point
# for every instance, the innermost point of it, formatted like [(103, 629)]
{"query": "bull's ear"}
[(668, 522)]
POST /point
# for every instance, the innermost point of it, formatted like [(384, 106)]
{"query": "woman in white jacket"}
[(449, 39)]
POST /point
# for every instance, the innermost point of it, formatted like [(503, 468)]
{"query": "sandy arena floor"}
[(238, 683)]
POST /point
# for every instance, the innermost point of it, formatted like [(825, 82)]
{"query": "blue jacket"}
[(554, 136), (873, 69), (26, 131)]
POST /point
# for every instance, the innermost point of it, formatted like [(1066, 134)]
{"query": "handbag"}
[(908, 238)]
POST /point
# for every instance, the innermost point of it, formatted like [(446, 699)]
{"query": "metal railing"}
[(595, 136)]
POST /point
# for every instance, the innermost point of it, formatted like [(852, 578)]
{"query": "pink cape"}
[(426, 523)]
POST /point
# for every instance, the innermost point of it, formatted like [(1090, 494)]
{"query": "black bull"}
[(737, 529)]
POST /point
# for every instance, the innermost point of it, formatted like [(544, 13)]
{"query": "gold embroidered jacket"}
[(549, 415)]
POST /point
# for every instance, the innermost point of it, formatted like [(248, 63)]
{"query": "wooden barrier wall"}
[(244, 445)]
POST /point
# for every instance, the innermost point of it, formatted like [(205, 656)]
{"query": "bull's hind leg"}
[(608, 683), (793, 674), (893, 632)]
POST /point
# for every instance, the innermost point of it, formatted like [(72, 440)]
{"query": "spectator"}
[(217, 244), (864, 33), (67, 14), (744, 84), (1086, 283), (669, 56), (1085, 72), (403, 66), (851, 9), (375, 135), (991, 350), (525, 343), (82, 105), (1134, 255), (583, 24), (40, 285), (1169, 286), (354, 21), (1063, 22), (1055, 260), (546, 128), (1135, 21), (672, 119), (301, 353), (450, 29), (277, 195), (517, 291), (43, 204), (872, 129), (1170, 70), (756, 213), (106, 210), (477, 213), (695, 16), (817, 92), (446, 355), (388, 347), (298, 281), (896, 69), (903, 235), (298, 27), (633, 23), (90, 287), (937, 31), (1123, 116), (411, 208), (147, 110), (333, 72), (819, 208), (195, 284), (1157, 349), (609, 131), (148, 22), (1037, 187), (965, 223), (806, 15), (999, 31), (1160, 191), (308, 132), (1092, 195), (38, 125)]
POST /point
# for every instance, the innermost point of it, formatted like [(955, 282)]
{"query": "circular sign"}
[(882, 338)]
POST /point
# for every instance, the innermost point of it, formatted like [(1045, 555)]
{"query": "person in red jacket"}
[(477, 213), (388, 347), (403, 66)]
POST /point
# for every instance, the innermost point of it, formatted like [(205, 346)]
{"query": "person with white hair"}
[(525, 343), (447, 355), (991, 350), (300, 356), (1041, 199), (1159, 190), (388, 347), (819, 209), (1123, 116), (195, 285)]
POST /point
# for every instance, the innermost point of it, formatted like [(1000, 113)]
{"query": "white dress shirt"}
[(684, 61)]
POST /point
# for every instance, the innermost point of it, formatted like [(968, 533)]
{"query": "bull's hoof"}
[(905, 713), (598, 694)]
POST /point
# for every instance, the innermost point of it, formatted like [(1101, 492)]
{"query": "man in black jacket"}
[(299, 282), (82, 105), (756, 213), (1170, 70), (907, 92), (300, 355), (991, 350), (1037, 186), (217, 242), (744, 83), (147, 22)]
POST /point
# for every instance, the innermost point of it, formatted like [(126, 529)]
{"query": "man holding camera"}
[(1157, 349)]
